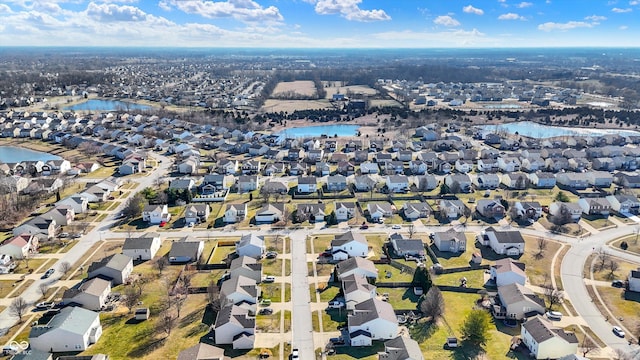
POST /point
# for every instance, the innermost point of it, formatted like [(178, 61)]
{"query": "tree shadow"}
[(467, 351), (191, 318), (146, 347), (422, 330)]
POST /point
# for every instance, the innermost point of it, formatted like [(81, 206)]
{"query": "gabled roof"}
[(250, 239), (371, 309), (235, 314), (75, 320), (542, 330), (116, 261), (506, 237), (356, 263), (202, 351), (348, 237), (513, 293), (142, 243), (95, 286), (401, 348), (509, 265)]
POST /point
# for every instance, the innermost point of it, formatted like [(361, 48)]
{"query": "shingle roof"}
[(72, 319)]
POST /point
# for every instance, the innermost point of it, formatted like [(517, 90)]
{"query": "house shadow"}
[(488, 253), (631, 296), (444, 254)]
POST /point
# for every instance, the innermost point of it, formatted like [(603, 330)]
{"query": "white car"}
[(618, 331), (295, 354), (396, 227), (269, 279), (335, 304), (554, 315)]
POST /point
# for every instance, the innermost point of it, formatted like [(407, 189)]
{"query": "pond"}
[(539, 131), (106, 105), (318, 131), (13, 154)]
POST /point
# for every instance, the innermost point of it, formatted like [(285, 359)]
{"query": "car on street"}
[(48, 273), (396, 227), (618, 331), (554, 315), (271, 255), (295, 354), (269, 279), (42, 306), (266, 311)]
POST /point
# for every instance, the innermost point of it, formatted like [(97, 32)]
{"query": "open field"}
[(538, 264), (273, 105), (300, 87), (624, 305), (334, 87)]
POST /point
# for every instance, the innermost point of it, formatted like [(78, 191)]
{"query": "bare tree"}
[(542, 245), (613, 266), (185, 280), (64, 267), (178, 302), (588, 345), (141, 283), (213, 295), (620, 354), (603, 257), (432, 304), (43, 288), (160, 264), (18, 308), (553, 296), (166, 322), (412, 230), (131, 298)]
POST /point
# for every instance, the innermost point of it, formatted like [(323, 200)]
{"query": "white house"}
[(116, 267), (379, 211), (235, 213), (401, 348), (624, 204), (239, 289), (397, 183), (234, 325), (509, 164), (20, 246), (185, 250), (557, 208), (349, 244), (73, 329), (307, 184), (517, 302), (196, 213), (542, 180), (345, 210), (486, 181), (595, 206), (156, 214), (270, 213), (508, 243), (78, 203), (546, 341), (372, 319), (91, 294), (142, 248), (250, 245), (356, 266), (450, 241), (634, 280), (463, 166), (356, 289), (507, 271)]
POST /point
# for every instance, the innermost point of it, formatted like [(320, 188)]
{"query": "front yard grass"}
[(633, 242), (326, 294), (268, 323), (272, 267), (333, 318), (455, 260), (359, 353), (321, 243), (538, 266), (606, 275), (599, 223), (623, 304)]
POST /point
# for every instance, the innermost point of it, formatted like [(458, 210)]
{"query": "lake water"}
[(539, 131), (106, 105), (317, 131), (13, 154)]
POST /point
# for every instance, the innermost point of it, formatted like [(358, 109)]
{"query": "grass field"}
[(538, 266), (301, 87), (625, 305)]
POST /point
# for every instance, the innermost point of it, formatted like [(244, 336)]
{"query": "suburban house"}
[(528, 209), (77, 203), (202, 351), (601, 179), (356, 289), (39, 225), (486, 181), (239, 289), (401, 348), (73, 329), (490, 208), (450, 241), (557, 208), (517, 302), (196, 213), (186, 250), (235, 325), (508, 243), (345, 210), (595, 206), (247, 183), (270, 213), (336, 183), (627, 180), (634, 280), (397, 183), (572, 180), (364, 183), (116, 267), (379, 211), (406, 247), (91, 294), (517, 181), (452, 209), (235, 213), (141, 248), (156, 214), (250, 245), (509, 164), (463, 166), (62, 214), (546, 341), (226, 166), (307, 184), (624, 204), (507, 271), (413, 211), (246, 266), (426, 182), (356, 266), (461, 181), (349, 244), (542, 180), (487, 165), (372, 319), (20, 246)]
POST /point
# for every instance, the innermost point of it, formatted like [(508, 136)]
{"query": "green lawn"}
[(475, 278), (333, 318), (538, 266), (272, 267), (633, 241), (220, 253), (52, 247), (268, 323), (623, 304), (396, 275), (454, 260), (326, 295), (359, 353), (321, 243), (599, 223), (401, 298), (273, 291)]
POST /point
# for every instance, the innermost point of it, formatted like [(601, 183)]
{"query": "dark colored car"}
[(48, 273), (266, 311)]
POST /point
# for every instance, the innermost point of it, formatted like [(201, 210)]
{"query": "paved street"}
[(302, 329)]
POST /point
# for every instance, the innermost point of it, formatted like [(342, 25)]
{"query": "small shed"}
[(476, 258), (142, 314)]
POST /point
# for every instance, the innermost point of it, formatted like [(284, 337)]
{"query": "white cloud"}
[(112, 12), (446, 20), (5, 9), (596, 18), (524, 4), (450, 38), (510, 16), (243, 10), (634, 2), (551, 26), (623, 27), (620, 10), (350, 10), (469, 9)]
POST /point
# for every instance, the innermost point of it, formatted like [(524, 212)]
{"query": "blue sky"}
[(321, 23)]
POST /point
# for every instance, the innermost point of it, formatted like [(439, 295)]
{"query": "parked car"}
[(335, 304), (10, 350), (76, 236), (617, 283), (42, 306), (618, 331), (269, 279), (266, 311), (554, 315), (396, 227), (364, 226), (271, 255), (337, 341), (265, 302), (295, 354), (48, 273), (63, 235)]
